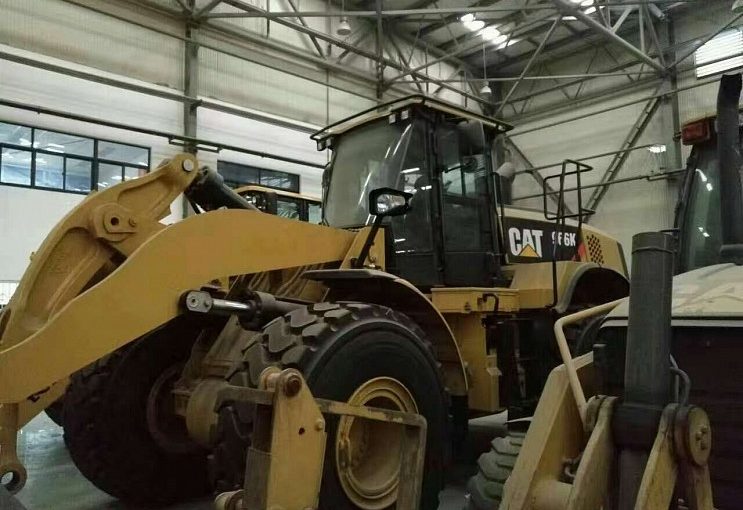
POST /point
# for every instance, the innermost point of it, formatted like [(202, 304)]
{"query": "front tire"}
[(365, 354), (119, 429)]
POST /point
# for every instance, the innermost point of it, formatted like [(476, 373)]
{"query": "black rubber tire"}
[(338, 347), (55, 410), (485, 489), (105, 423)]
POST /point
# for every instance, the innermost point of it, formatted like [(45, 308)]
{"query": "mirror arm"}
[(358, 263)]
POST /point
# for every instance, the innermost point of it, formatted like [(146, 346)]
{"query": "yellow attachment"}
[(567, 357), (80, 249), (143, 293)]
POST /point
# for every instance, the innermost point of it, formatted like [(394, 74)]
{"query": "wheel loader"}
[(663, 426), (420, 293)]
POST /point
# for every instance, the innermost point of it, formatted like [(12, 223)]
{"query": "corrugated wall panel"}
[(252, 85), (85, 37)]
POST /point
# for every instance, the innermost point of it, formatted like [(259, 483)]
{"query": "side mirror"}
[(389, 202)]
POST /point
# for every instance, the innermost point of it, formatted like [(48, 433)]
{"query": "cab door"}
[(467, 209)]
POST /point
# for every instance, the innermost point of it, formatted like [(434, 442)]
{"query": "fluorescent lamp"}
[(490, 33), (475, 25), (502, 41)]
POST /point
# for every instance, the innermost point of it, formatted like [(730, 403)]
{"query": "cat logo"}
[(525, 242)]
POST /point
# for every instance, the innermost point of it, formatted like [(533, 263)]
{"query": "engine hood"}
[(713, 292)]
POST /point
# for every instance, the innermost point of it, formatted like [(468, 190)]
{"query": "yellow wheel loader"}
[(651, 418), (420, 294)]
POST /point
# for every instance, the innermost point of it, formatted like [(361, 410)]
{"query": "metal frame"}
[(655, 57)]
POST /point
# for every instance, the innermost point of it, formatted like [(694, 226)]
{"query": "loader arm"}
[(89, 243), (109, 273)]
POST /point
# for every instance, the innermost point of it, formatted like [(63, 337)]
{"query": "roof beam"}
[(573, 9)]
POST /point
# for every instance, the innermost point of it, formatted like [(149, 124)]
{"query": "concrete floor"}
[(55, 483)]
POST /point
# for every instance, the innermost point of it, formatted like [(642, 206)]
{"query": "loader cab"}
[(439, 153), (698, 217)]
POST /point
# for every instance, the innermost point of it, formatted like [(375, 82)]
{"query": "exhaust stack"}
[(728, 151)]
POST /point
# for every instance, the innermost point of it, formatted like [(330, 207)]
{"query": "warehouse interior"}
[(592, 106)]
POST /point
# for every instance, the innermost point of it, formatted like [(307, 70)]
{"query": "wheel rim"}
[(368, 453), (166, 427)]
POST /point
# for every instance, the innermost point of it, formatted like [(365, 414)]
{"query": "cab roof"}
[(385, 109)]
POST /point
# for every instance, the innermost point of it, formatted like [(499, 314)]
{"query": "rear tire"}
[(340, 347), (485, 489), (106, 426)]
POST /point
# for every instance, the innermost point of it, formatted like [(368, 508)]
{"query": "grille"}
[(594, 249)]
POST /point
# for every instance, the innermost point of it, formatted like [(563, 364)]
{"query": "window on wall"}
[(236, 175), (710, 57), (51, 160)]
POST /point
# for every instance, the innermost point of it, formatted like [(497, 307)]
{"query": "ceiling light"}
[(657, 149), (467, 18), (486, 90), (344, 28), (475, 25), (505, 43), (501, 40), (490, 33)]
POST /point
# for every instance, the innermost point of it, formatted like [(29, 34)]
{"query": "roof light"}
[(467, 18), (490, 33), (344, 28), (502, 41), (475, 25)]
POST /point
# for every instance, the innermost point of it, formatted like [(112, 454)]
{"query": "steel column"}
[(380, 51), (191, 91)]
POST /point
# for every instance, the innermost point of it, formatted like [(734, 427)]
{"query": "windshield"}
[(366, 158), (700, 236)]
